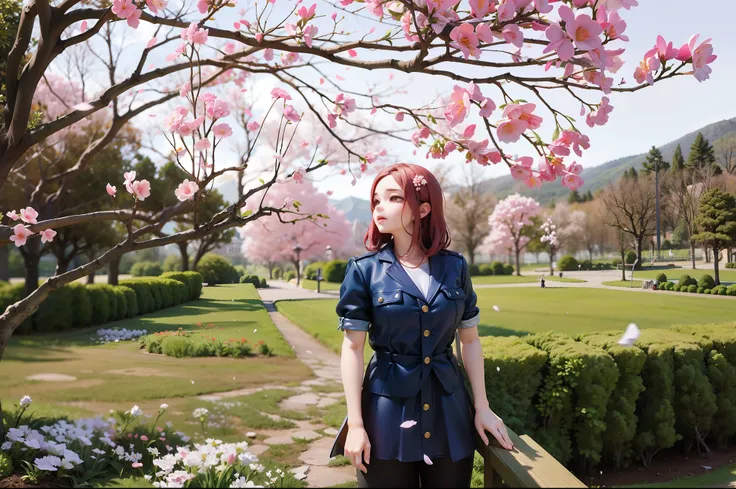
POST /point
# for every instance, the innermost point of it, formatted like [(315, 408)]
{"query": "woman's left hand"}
[(487, 420)]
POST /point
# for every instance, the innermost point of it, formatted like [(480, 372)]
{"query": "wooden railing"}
[(527, 465)]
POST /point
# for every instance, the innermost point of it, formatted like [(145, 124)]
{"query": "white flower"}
[(6, 446), (25, 401), (135, 411), (72, 457), (49, 463), (153, 451), (147, 477), (242, 482), (200, 412), (257, 467), (98, 451), (164, 407)]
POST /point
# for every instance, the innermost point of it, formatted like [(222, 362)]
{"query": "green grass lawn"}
[(624, 283), (533, 310), (720, 477), (121, 372), (312, 285)]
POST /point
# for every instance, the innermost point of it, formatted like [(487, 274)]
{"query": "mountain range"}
[(595, 177)]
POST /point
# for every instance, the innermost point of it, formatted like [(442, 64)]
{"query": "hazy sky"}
[(653, 116)]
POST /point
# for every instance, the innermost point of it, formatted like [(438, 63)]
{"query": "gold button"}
[(426, 407), (380, 299), (425, 308), (426, 333), (427, 434), (426, 360)]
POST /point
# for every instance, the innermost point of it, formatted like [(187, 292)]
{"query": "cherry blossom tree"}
[(549, 237), (512, 226), (521, 50), (271, 241)]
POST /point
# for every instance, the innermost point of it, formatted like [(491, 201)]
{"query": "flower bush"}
[(90, 451), (181, 344)]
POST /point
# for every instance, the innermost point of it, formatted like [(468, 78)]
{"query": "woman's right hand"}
[(358, 447)]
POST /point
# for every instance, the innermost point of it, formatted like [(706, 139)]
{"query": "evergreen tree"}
[(717, 223), (701, 154), (654, 161), (678, 162), (589, 196), (574, 197)]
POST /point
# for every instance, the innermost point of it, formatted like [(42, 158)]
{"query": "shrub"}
[(112, 300), (81, 305), (508, 270), (253, 279), (731, 265), (616, 262), (586, 265), (100, 304), (54, 314), (731, 290), (291, 274), (6, 465), (701, 290), (263, 284), (497, 267), (485, 269), (310, 271), (146, 269), (707, 282), (686, 280), (630, 257), (265, 349), (277, 273), (720, 290), (237, 348), (131, 301), (3, 283), (334, 271), (671, 285), (144, 296), (473, 269), (177, 346), (216, 269), (568, 263), (661, 278), (193, 281), (692, 289)]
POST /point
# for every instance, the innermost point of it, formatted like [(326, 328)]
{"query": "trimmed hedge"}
[(568, 263), (310, 271), (146, 269), (192, 280), (258, 282), (289, 275), (334, 271), (707, 282), (588, 399), (216, 269)]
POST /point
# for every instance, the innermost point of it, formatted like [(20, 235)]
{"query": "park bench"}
[(528, 465)]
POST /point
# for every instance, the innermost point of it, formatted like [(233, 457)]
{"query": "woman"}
[(410, 420)]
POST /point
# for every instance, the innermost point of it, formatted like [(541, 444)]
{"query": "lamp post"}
[(298, 250), (328, 253)]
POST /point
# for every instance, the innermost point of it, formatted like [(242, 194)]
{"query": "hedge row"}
[(589, 400), (77, 305), (686, 283), (495, 268)]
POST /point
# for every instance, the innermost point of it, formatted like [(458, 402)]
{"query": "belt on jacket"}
[(411, 360)]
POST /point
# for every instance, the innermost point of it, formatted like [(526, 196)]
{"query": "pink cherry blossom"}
[(465, 40), (299, 175), (307, 13), (352, 53), (13, 215), (308, 33), (134, 18), (202, 145), (47, 235), (123, 8), (613, 25), (523, 112), (510, 130), (194, 35), (560, 42), (20, 235), (512, 34), (700, 56), (599, 116), (583, 30), (484, 33), (346, 104), (141, 189), (156, 5), (542, 6), (291, 114), (111, 190), (480, 8), (280, 93), (218, 109), (203, 6), (458, 107), (29, 215), (645, 70), (174, 121), (253, 126), (186, 190), (572, 181), (222, 130), (506, 11)]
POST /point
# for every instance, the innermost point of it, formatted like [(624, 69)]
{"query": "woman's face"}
[(389, 212)]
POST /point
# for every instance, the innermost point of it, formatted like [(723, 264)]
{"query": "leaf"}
[(247, 213), (386, 36), (556, 134), (261, 180)]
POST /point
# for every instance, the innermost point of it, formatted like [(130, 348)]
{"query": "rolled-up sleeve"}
[(471, 316), (354, 307)]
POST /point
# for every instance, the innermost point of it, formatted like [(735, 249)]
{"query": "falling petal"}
[(255, 330), (151, 43), (83, 27), (427, 460), (408, 424), (83, 106), (192, 382), (495, 308), (309, 352), (498, 369), (630, 335), (706, 467)]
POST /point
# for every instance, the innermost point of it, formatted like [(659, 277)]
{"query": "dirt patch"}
[(140, 372), (16, 481), (50, 377), (666, 466)]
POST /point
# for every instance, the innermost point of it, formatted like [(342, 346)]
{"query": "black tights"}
[(442, 473)]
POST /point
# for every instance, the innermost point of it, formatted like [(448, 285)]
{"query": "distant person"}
[(542, 282)]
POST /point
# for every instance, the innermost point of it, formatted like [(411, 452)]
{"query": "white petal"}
[(427, 460), (408, 424), (495, 308)]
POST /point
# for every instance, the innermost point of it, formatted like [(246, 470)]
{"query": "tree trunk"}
[(91, 278), (623, 264), (638, 253), (716, 251), (692, 252), (270, 271), (184, 255), (590, 254), (471, 255), (551, 261), (298, 272), (706, 250), (518, 269), (5, 265), (31, 259), (62, 265), (113, 271)]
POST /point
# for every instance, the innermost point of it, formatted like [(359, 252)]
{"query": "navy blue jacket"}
[(413, 375)]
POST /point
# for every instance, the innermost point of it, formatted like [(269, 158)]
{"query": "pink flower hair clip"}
[(418, 181)]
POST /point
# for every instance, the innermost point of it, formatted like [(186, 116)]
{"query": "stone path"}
[(326, 367)]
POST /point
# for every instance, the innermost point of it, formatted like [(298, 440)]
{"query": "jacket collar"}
[(437, 270)]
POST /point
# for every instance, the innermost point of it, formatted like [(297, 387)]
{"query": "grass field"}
[(533, 310), (118, 372), (312, 285), (636, 284)]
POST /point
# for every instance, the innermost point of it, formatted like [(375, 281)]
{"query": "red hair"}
[(429, 234)]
